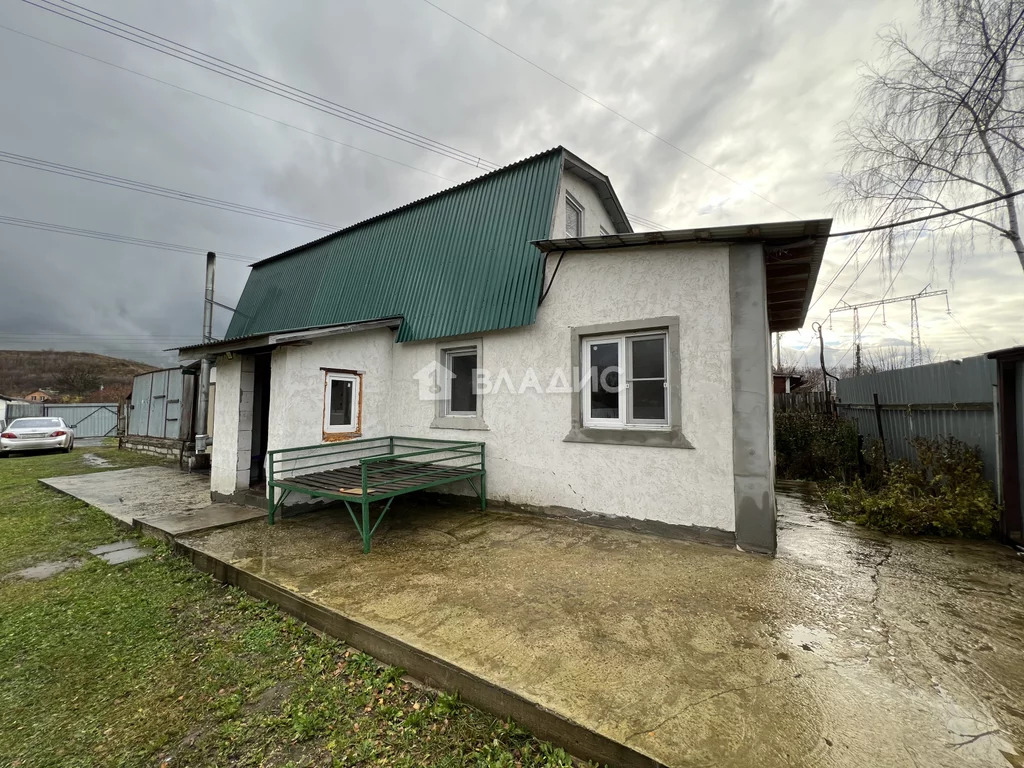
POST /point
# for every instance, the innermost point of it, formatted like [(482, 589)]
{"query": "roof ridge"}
[(406, 206)]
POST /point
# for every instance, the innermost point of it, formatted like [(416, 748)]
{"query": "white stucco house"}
[(618, 377)]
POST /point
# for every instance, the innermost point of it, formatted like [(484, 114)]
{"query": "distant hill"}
[(72, 374)]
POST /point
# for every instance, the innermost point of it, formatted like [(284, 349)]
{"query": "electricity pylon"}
[(916, 349)]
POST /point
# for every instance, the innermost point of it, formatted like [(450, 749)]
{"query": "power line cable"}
[(929, 217), (62, 229), (139, 36), (486, 165), (614, 111), (227, 104), (920, 160), (39, 164)]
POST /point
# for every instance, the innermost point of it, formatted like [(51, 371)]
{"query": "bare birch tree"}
[(940, 122)]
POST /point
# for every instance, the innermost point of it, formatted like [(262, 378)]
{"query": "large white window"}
[(341, 402), (460, 381), (573, 217), (625, 381)]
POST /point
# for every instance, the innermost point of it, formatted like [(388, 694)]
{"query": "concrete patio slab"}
[(173, 524), (139, 493), (848, 649)]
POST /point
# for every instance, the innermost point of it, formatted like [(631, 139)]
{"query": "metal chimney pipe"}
[(203, 401)]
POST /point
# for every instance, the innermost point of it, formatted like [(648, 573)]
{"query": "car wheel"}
[(70, 447)]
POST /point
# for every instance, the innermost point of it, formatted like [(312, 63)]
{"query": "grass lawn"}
[(153, 664)]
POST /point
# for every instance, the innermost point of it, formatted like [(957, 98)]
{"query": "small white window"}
[(341, 403), (625, 381), (460, 382), (573, 217)]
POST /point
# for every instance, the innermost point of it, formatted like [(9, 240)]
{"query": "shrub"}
[(814, 446), (943, 493)]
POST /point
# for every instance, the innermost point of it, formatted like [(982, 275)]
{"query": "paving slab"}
[(173, 524), (848, 649), (139, 493), (105, 548)]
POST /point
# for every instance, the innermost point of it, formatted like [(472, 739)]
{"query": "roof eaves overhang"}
[(263, 342), (793, 252), (1010, 354), (603, 185)]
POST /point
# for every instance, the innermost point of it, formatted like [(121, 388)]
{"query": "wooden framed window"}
[(341, 403)]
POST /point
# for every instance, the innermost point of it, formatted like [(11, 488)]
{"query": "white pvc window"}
[(460, 382), (341, 403), (573, 217), (625, 381)]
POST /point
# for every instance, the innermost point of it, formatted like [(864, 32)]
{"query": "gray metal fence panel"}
[(158, 404), (950, 399), (24, 410), (138, 415), (172, 407), (87, 419)]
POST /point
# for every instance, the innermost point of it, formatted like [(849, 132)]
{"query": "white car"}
[(36, 434)]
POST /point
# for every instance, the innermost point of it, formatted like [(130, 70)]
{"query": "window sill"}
[(340, 437), (459, 422), (651, 438)]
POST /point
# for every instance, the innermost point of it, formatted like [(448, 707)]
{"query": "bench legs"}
[(366, 532), (273, 506), (364, 529)]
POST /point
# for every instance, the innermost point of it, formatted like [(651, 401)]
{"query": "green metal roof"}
[(460, 261)]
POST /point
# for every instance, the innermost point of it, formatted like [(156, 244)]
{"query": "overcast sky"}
[(754, 89)]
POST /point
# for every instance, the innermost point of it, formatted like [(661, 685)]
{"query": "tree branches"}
[(940, 123)]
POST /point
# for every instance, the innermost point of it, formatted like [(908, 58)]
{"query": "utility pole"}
[(856, 341), (203, 404), (778, 352), (916, 348)]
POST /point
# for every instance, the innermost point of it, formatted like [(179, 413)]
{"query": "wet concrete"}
[(139, 493), (172, 524), (848, 649)]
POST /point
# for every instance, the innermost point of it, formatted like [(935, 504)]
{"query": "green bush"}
[(814, 446), (943, 493)]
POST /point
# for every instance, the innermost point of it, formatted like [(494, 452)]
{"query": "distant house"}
[(610, 374), (784, 383), (41, 396)]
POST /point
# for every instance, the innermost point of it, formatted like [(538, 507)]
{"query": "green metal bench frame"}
[(401, 466)]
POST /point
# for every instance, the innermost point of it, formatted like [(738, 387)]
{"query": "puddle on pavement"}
[(92, 460), (41, 571)]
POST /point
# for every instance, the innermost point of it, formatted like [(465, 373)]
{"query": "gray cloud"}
[(755, 89)]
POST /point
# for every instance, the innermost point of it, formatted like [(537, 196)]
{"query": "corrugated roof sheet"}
[(460, 261)]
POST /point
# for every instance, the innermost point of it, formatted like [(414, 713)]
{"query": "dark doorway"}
[(260, 421)]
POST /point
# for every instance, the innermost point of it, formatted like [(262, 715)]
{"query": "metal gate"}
[(161, 404), (87, 419)]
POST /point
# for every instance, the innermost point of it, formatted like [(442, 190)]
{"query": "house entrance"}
[(260, 422)]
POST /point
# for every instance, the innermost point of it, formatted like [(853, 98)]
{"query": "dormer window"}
[(573, 217)]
